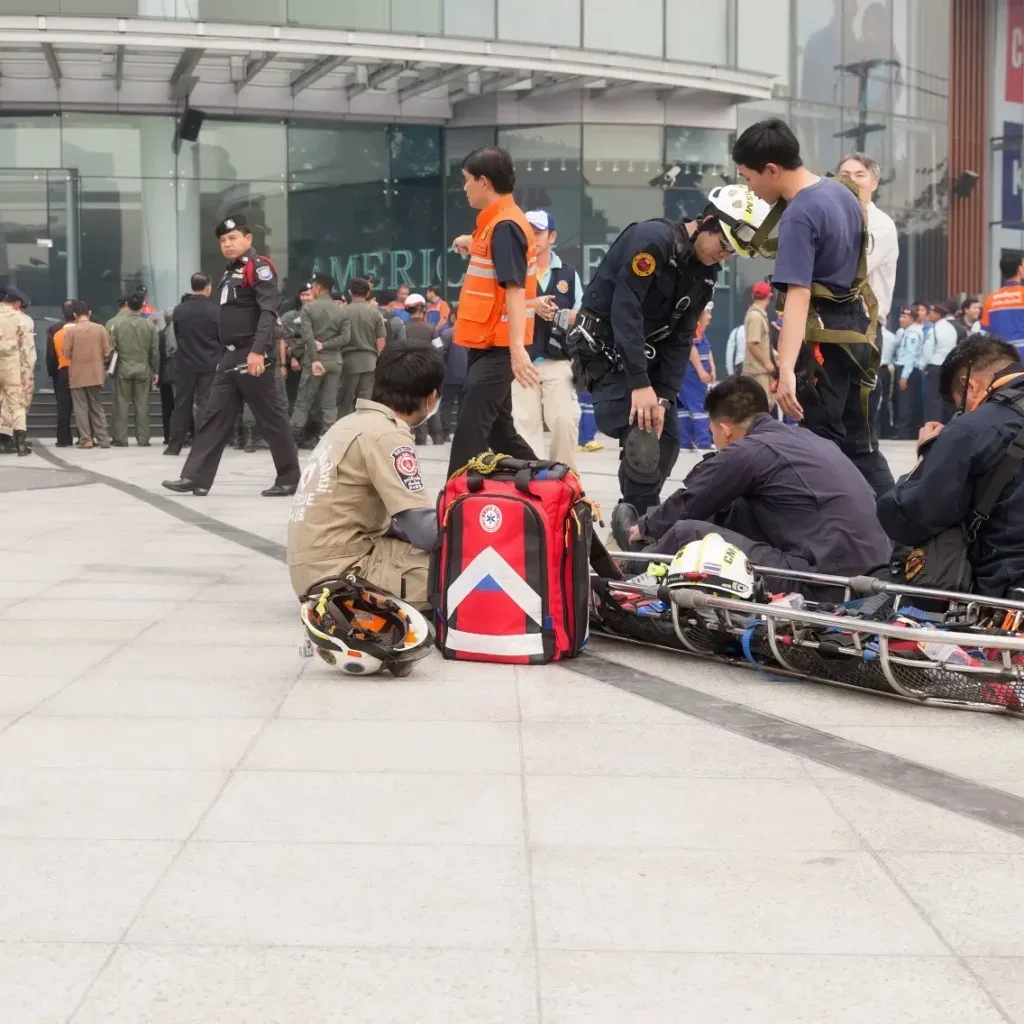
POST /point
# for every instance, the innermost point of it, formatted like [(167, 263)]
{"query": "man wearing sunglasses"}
[(969, 471), (631, 342)]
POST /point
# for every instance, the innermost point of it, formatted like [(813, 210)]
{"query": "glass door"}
[(39, 245)]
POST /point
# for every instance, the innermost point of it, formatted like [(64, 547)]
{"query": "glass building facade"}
[(96, 202)]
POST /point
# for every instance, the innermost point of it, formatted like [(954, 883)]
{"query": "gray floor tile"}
[(191, 661), (698, 814), (370, 746), (417, 698), (40, 983), (126, 743), (113, 590), (125, 610), (887, 820), (71, 630), (206, 696), (554, 694), (603, 988), (976, 900), (723, 902), (49, 659), (327, 807), (682, 747), (176, 985), (983, 747), (76, 803), (1004, 979), (74, 890), (322, 895), (19, 694)]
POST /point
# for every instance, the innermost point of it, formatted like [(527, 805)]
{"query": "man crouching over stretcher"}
[(361, 504), (784, 496)]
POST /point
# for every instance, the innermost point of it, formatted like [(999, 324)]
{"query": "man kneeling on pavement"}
[(786, 497), (361, 504), (968, 477)]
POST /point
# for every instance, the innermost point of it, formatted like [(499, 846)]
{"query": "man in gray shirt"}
[(359, 355)]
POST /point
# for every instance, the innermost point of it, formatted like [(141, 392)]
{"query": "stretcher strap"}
[(748, 652)]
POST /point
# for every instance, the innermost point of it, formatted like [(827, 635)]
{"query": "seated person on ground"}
[(982, 377), (362, 506), (783, 496)]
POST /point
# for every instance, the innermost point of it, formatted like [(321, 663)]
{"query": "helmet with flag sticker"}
[(713, 565), (357, 628), (740, 213)]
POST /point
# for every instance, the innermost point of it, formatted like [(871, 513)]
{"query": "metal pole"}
[(71, 245)]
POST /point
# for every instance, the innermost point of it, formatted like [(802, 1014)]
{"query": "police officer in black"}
[(248, 298), (632, 338)]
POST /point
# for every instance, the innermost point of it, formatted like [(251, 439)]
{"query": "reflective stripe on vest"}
[(483, 315)]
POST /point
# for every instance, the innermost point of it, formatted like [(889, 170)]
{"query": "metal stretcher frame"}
[(685, 600)]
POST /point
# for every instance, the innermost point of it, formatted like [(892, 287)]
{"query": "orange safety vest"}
[(58, 347), (483, 316)]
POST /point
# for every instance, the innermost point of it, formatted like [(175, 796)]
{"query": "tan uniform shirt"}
[(757, 361), (363, 472)]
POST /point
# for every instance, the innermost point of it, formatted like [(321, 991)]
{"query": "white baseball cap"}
[(541, 220), (415, 300)]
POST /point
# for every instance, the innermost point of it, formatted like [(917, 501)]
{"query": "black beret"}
[(236, 222), (324, 280)]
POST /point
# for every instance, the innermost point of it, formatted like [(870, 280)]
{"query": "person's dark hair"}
[(386, 295), (78, 307), (981, 353), (359, 286), (736, 399), (1009, 265), (199, 281), (68, 310), (495, 164), (123, 301), (135, 302), (405, 376), (434, 289), (767, 142), (968, 302), (338, 295)]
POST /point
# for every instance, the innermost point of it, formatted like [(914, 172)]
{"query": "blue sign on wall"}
[(1013, 209)]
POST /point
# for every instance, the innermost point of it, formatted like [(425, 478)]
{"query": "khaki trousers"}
[(766, 382), (553, 402)]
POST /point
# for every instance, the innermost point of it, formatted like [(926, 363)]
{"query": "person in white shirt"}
[(883, 418), (735, 350), (907, 396), (884, 243), (938, 343)]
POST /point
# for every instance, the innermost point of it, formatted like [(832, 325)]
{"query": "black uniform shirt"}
[(635, 290), (196, 331), (248, 295), (508, 250)]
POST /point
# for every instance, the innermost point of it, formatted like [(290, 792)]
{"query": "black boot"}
[(624, 518), (21, 442), (7, 446), (250, 441), (240, 439)]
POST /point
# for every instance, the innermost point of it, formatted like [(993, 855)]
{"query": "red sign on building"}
[(1015, 51)]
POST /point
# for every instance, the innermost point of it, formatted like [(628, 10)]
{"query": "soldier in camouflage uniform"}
[(17, 365)]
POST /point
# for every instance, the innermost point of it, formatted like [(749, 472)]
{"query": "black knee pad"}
[(642, 457)]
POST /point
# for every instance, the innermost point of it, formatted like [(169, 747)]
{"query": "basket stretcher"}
[(955, 654)]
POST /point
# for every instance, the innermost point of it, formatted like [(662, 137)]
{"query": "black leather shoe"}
[(184, 486), (280, 491), (624, 518), (118, 444), (171, 450)]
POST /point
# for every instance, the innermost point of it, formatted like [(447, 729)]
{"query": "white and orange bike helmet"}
[(360, 630)]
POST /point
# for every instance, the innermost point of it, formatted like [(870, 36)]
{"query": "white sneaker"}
[(654, 576)]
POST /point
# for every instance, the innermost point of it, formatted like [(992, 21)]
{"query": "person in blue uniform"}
[(248, 296), (785, 497), (984, 379), (701, 374), (632, 341)]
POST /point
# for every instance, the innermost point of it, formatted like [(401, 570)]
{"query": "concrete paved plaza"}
[(198, 826)]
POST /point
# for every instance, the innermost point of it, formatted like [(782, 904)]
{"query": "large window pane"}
[(115, 8), (606, 211), (338, 154), (697, 158), (710, 43), (417, 16), (30, 141), (555, 22), (638, 28), (458, 144), (118, 145), (818, 129), (763, 36), (339, 13), (544, 156), (820, 50), (242, 151), (264, 205), (253, 12), (920, 34), (471, 18), (623, 155), (416, 153)]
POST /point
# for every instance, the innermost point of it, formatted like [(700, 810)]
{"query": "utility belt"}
[(593, 352)]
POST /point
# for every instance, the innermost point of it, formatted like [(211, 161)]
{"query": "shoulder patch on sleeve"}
[(265, 273), (407, 467), (643, 264)]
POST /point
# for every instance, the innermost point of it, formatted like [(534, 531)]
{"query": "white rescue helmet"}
[(358, 629), (740, 213), (713, 565)]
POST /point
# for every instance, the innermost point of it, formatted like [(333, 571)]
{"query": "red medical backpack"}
[(511, 580)]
